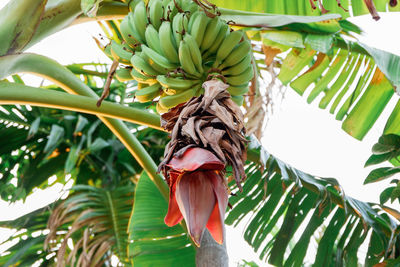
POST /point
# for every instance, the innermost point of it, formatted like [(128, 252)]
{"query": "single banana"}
[(140, 19), (133, 3), (237, 55), (134, 32), (199, 26), (179, 26), (148, 93), (167, 42), (189, 6), (211, 33), (160, 108), (194, 52), (170, 101), (238, 68), (224, 30), (238, 99), (156, 13), (153, 39), (186, 60), (227, 46), (123, 74), (141, 78), (241, 79), (170, 11), (157, 61), (127, 33), (141, 66), (192, 19), (121, 52), (176, 83), (236, 91)]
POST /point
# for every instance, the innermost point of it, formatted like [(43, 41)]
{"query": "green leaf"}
[(82, 122), (98, 145), (56, 135), (321, 43), (284, 198), (90, 7), (286, 38), (19, 20), (385, 195), (153, 243), (34, 127), (381, 174), (387, 62), (346, 9)]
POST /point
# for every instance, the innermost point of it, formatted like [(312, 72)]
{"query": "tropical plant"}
[(168, 54)]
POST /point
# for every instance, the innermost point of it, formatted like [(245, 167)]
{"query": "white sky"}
[(300, 134)]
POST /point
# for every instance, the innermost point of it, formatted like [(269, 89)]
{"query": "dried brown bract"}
[(212, 121)]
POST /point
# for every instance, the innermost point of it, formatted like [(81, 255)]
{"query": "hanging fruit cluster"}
[(174, 47)]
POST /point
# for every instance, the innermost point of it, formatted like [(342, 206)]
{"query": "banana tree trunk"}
[(210, 253)]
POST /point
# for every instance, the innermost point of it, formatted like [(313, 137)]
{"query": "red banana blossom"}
[(198, 193)]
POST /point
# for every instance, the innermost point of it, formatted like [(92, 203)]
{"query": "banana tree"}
[(212, 120)]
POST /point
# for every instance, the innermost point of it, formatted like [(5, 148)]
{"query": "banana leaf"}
[(305, 207)]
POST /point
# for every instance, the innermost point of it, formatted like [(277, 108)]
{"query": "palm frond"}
[(354, 81), (99, 219), (304, 207), (346, 8)]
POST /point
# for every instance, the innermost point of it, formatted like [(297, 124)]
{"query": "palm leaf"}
[(354, 81), (99, 220), (28, 238), (346, 9), (152, 243), (303, 206)]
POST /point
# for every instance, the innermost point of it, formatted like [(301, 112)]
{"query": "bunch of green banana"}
[(174, 47)]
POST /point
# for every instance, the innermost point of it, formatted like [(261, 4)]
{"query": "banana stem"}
[(12, 94), (61, 76)]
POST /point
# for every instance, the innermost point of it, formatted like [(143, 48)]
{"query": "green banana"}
[(170, 101), (239, 90), (123, 74), (211, 33), (141, 78), (148, 93), (198, 27), (238, 99), (132, 4), (192, 19), (241, 79), (142, 66), (237, 55), (170, 11), (238, 68), (106, 50), (121, 53), (156, 13), (186, 60), (218, 41), (157, 61), (189, 6), (161, 109), (167, 42), (127, 33), (140, 19), (194, 52), (176, 83), (179, 26), (227, 46), (153, 39), (134, 32)]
